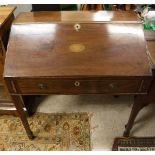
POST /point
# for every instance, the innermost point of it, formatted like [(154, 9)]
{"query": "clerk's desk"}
[(78, 53), (6, 18)]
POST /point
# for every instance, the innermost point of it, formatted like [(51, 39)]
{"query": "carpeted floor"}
[(60, 131), (108, 116)]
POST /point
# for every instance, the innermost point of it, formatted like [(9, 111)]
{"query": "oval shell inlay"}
[(77, 47)]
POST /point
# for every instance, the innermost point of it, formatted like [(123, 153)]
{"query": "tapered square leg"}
[(18, 104), (140, 102)]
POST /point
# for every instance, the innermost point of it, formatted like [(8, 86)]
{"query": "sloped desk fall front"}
[(76, 53)]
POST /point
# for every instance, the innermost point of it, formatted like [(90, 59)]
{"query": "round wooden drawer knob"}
[(111, 85), (42, 86)]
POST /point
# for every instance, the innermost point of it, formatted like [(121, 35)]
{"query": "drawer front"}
[(152, 91), (0, 49), (63, 86)]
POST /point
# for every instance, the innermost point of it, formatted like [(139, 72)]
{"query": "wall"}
[(22, 8), (26, 8)]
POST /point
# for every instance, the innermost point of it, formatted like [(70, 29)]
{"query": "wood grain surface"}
[(77, 16), (38, 50), (5, 13)]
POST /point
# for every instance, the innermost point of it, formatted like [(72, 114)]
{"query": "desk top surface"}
[(5, 12), (76, 16), (57, 49)]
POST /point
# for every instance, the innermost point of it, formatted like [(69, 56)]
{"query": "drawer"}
[(77, 86), (0, 49), (152, 91)]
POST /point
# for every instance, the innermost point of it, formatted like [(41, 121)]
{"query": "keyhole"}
[(77, 27)]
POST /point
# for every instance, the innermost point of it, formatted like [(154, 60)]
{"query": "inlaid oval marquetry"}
[(76, 47)]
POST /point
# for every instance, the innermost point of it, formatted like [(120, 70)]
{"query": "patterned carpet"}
[(65, 131), (134, 144)]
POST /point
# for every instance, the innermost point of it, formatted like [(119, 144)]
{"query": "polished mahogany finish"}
[(151, 51), (77, 53), (108, 50), (76, 16), (142, 101), (5, 13), (149, 35), (79, 85), (6, 18)]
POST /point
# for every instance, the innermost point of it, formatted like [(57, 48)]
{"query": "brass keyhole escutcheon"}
[(77, 83), (77, 27)]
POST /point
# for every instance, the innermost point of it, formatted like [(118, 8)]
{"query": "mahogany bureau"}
[(6, 18), (77, 53)]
